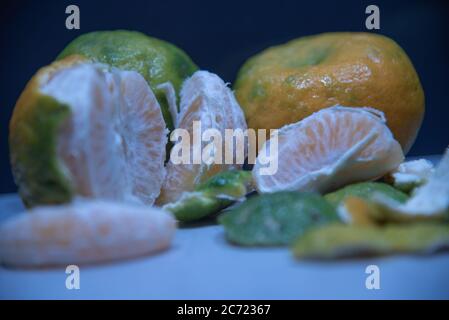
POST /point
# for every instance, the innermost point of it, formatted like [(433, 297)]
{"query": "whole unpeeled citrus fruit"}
[(287, 83), (156, 60), (85, 129)]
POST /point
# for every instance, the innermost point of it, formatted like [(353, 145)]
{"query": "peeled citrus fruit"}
[(329, 149), (84, 232), (85, 129), (156, 60), (286, 83), (207, 101)]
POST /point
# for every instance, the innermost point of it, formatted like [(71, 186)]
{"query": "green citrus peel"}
[(277, 218), (213, 195)]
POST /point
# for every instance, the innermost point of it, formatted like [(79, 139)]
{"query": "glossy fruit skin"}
[(286, 83), (156, 60)]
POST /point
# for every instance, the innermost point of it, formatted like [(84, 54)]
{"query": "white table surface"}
[(202, 265)]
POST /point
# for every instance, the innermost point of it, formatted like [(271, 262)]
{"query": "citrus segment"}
[(84, 232), (329, 149), (207, 101)]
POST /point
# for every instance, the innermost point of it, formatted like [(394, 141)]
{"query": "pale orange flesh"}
[(113, 145), (310, 150), (207, 99)]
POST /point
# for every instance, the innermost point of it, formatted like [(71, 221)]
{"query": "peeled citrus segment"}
[(431, 200), (84, 232), (142, 132), (329, 149), (411, 174), (342, 241), (206, 100), (110, 144)]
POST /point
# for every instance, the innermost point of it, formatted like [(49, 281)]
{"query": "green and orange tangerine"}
[(156, 60), (286, 83)]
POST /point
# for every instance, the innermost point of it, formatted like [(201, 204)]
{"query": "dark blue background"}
[(220, 36)]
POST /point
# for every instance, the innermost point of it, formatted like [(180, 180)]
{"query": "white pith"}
[(430, 199), (113, 144), (411, 174)]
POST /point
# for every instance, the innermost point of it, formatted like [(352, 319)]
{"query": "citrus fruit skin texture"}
[(215, 194), (286, 83), (277, 218), (33, 130), (232, 184), (365, 190), (343, 241), (156, 60)]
